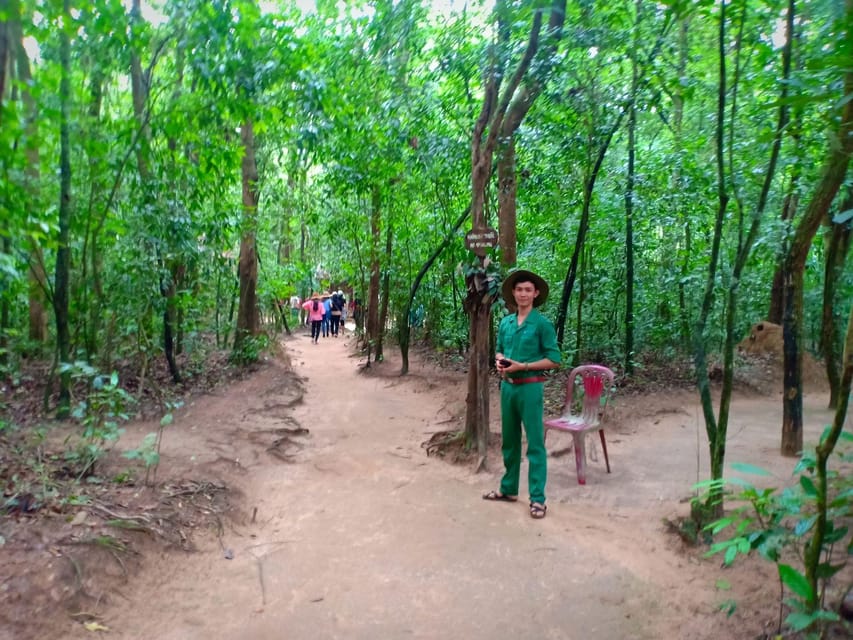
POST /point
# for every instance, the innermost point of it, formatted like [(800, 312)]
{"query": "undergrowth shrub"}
[(778, 525)]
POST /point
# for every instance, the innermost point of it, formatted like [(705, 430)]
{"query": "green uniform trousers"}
[(523, 403)]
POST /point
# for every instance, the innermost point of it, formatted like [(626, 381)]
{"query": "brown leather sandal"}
[(537, 510), (499, 497)]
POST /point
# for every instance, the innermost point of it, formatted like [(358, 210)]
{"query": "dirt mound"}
[(764, 339), (762, 352)]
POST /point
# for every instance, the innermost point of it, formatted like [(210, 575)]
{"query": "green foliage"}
[(148, 451), (39, 481), (249, 350), (104, 407), (777, 524), (486, 278)]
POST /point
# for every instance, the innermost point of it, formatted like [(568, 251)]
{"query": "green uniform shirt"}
[(533, 340)]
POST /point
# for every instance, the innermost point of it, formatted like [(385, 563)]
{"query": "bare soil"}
[(300, 503)]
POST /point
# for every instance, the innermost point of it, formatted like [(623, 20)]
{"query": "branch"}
[(531, 90), (491, 94), (532, 45)]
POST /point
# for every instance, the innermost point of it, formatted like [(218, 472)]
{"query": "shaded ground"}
[(337, 525)]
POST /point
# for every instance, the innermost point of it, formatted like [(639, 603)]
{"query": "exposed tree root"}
[(281, 446), (182, 505), (443, 443)]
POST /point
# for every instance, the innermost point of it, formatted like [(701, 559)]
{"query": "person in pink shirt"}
[(315, 310)]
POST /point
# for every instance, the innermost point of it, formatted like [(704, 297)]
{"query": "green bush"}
[(778, 525)]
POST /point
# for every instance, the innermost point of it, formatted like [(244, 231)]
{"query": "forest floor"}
[(299, 502)]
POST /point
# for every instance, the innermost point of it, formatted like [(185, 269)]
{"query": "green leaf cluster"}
[(776, 523)]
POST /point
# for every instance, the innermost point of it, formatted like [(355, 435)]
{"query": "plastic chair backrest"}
[(597, 383)]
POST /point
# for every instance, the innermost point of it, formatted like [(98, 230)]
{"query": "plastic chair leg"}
[(580, 455), (604, 446)]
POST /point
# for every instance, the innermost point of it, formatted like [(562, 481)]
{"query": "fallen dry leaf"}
[(95, 626)]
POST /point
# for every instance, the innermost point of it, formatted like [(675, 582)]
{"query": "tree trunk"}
[(717, 426), (91, 294), (373, 327), (579, 326), (139, 89), (507, 209), (815, 546), (404, 326), (177, 268), (776, 308), (714, 430), (629, 199), (838, 238), (501, 120), (580, 239), (386, 295), (477, 400), (248, 315), (832, 177), (589, 186), (63, 251), (38, 285), (533, 86), (37, 298), (167, 290), (5, 45), (677, 181), (5, 309), (6, 19), (285, 240)]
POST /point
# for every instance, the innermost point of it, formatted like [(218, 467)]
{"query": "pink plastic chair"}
[(597, 385)]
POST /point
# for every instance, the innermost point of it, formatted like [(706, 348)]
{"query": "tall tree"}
[(776, 309), (838, 237), (532, 86), (629, 196), (373, 327), (814, 559), (481, 291), (601, 133), (746, 229), (386, 291), (62, 274), (140, 82), (677, 180), (38, 285), (248, 313), (833, 172), (416, 283), (6, 18)]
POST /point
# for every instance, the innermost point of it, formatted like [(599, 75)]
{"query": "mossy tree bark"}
[(832, 177), (248, 314)]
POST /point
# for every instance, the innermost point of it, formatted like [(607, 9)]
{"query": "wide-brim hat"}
[(522, 274), (315, 295)]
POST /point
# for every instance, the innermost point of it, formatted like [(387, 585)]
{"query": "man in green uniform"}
[(526, 346)]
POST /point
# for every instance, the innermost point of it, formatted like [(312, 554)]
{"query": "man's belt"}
[(525, 380)]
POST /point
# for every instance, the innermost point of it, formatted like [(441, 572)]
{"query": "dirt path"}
[(363, 536)]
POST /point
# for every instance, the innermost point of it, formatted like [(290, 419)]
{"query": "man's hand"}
[(505, 365)]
